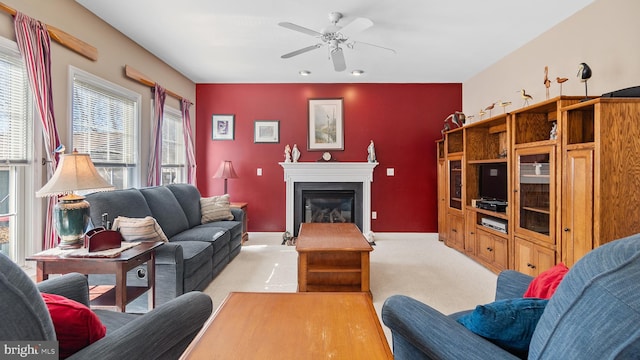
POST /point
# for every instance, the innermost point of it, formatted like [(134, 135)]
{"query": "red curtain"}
[(35, 46)]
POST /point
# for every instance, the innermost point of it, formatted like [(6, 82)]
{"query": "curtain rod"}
[(144, 80), (63, 38)]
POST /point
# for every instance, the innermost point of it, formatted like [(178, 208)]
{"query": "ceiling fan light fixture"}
[(357, 72), (304, 72)]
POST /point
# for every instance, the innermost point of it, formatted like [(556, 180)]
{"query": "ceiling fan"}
[(334, 36)]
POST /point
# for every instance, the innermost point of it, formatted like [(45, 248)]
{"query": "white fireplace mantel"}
[(361, 172)]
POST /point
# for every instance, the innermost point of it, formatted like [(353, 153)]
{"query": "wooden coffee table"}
[(292, 326), (120, 295), (332, 257)]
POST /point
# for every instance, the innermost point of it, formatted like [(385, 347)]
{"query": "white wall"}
[(605, 35)]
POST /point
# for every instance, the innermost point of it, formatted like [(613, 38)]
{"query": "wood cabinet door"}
[(532, 259), (442, 200), (455, 235), (470, 233), (577, 198), (492, 249)]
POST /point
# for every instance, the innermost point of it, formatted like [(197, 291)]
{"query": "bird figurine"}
[(504, 105), (526, 97), (584, 74), (560, 80), (481, 113), (490, 107), (547, 82)]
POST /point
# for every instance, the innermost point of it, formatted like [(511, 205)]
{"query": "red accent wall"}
[(403, 120)]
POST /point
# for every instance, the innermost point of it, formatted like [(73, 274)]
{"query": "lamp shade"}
[(74, 172), (225, 171)]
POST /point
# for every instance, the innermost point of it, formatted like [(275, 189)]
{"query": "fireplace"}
[(337, 177), (339, 202)]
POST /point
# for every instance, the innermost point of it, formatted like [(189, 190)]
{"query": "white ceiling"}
[(239, 41)]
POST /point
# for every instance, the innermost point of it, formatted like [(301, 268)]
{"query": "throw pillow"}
[(215, 208), (75, 324), (507, 323), (139, 229), (545, 284)]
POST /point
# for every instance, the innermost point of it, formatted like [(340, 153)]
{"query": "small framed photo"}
[(223, 127), (326, 124), (266, 131)]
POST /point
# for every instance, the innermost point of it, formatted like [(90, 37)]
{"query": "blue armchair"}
[(594, 314), (163, 333)]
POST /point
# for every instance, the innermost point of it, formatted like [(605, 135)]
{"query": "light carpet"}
[(416, 265)]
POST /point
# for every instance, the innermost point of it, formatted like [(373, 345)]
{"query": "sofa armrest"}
[(421, 332), (511, 284), (72, 286), (162, 333), (238, 214)]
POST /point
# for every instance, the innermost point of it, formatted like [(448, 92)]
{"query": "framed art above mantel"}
[(326, 125)]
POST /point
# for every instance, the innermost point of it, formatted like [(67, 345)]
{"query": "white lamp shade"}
[(74, 172)]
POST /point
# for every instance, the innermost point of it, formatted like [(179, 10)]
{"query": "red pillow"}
[(75, 324), (545, 284)]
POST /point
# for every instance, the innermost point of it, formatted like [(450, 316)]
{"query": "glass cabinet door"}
[(535, 194), (455, 184)]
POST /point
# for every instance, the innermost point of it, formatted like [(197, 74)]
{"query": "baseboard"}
[(384, 236)]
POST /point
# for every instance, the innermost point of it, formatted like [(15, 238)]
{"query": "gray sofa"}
[(195, 254), (594, 314)]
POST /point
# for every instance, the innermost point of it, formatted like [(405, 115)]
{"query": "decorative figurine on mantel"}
[(371, 150), (295, 153), (287, 153)]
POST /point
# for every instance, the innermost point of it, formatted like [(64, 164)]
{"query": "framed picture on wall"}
[(266, 131), (326, 124), (223, 127)]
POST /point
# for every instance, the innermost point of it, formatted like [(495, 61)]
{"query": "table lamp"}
[(71, 215), (225, 171)]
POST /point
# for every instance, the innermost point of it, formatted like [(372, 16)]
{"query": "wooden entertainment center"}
[(566, 195)]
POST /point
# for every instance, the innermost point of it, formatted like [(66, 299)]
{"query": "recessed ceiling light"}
[(304, 72), (357, 72)]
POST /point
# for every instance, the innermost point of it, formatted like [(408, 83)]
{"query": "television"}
[(493, 181)]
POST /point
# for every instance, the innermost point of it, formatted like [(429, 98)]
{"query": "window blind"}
[(15, 109), (104, 124)]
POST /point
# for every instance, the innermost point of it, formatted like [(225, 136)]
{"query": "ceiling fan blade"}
[(356, 45), (356, 26), (338, 60), (299, 28), (300, 51)]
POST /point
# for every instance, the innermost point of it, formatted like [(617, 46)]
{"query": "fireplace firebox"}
[(327, 203)]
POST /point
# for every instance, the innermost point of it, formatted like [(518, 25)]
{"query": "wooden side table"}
[(121, 294), (243, 206)]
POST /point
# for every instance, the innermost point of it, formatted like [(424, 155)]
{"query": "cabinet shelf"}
[(492, 213), (537, 210), (488, 161)]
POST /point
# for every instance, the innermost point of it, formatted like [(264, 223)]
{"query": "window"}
[(105, 120), (16, 154), (173, 150)]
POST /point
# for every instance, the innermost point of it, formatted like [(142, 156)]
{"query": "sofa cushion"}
[(215, 208), (234, 227), (508, 323), (189, 198), (545, 284), (137, 229), (595, 311), (165, 209), (75, 324), (218, 237), (127, 202), (195, 254)]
